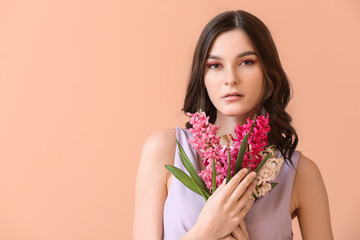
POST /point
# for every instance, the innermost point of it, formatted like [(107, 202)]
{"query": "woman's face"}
[(233, 75)]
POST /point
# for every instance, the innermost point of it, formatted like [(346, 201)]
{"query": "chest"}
[(293, 203)]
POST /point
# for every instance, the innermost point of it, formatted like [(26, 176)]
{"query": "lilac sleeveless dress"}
[(268, 218)]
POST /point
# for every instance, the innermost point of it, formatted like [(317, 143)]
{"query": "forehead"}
[(231, 43)]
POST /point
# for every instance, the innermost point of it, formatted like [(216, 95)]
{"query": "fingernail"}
[(253, 174)]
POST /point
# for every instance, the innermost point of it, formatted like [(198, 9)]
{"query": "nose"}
[(231, 77)]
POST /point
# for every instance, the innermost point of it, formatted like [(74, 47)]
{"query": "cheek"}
[(260, 85), (257, 86), (261, 88), (210, 83), (212, 88)]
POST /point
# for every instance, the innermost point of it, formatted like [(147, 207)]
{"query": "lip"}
[(233, 96)]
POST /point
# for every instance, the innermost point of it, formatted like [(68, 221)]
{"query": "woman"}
[(236, 73)]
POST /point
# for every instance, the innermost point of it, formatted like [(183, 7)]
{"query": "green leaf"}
[(183, 177), (241, 154), (192, 171), (194, 177), (262, 162), (228, 176), (213, 176), (243, 146)]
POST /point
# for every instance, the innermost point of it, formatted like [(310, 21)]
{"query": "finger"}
[(229, 237), (244, 229), (242, 186), (218, 189), (244, 210), (234, 182), (238, 233), (245, 196)]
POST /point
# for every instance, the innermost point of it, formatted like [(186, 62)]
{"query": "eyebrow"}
[(238, 56)]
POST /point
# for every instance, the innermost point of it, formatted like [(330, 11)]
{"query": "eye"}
[(247, 62), (214, 65)]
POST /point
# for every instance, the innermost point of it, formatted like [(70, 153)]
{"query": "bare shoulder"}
[(150, 190), (162, 144), (158, 150), (307, 178), (312, 205), (307, 170)]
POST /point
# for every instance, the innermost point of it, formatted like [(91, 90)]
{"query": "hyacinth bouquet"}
[(247, 150)]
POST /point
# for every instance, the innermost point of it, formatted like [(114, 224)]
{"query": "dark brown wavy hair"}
[(277, 90)]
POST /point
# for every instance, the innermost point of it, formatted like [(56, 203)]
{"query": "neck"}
[(228, 123)]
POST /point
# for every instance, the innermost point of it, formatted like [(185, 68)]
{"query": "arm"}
[(312, 201), (150, 191), (225, 210), (221, 214)]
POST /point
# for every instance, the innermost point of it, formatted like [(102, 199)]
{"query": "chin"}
[(238, 112)]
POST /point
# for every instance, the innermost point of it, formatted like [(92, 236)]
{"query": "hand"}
[(239, 233), (226, 208)]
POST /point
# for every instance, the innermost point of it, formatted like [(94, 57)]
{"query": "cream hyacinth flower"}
[(267, 174)]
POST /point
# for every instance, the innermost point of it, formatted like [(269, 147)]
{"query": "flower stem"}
[(228, 177), (213, 176)]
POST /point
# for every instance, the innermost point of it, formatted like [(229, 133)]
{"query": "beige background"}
[(83, 83)]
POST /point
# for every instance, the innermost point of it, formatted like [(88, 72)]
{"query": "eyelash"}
[(210, 65), (249, 60)]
